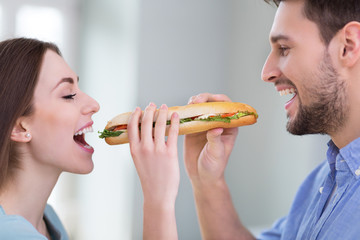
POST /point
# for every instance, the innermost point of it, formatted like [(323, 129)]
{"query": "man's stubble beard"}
[(329, 107)]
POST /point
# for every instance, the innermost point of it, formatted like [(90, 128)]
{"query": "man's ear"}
[(19, 132), (350, 52)]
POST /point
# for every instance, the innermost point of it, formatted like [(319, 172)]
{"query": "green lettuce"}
[(107, 133)]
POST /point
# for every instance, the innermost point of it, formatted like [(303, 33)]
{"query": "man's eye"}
[(283, 50), (71, 96)]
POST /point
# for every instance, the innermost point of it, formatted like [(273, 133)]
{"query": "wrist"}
[(159, 204), (199, 184), (210, 189), (159, 220)]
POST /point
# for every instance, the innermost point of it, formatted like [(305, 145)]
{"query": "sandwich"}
[(194, 118)]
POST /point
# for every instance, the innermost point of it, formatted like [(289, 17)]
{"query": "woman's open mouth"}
[(79, 138)]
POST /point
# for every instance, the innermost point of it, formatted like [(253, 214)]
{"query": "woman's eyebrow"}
[(66, 80)]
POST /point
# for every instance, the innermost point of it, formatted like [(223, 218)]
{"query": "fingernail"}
[(191, 100), (175, 115), (163, 106)]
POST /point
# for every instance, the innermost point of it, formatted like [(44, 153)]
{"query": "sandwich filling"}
[(223, 117)]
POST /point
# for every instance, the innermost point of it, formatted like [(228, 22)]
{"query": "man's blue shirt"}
[(327, 204)]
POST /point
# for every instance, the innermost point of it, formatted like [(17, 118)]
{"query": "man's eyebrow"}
[(66, 80), (276, 38)]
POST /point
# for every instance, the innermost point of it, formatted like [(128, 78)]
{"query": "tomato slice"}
[(120, 127), (224, 115), (228, 115)]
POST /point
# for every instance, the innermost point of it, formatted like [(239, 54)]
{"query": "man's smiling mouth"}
[(289, 91)]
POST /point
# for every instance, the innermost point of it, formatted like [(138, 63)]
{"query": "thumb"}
[(214, 136), (215, 144)]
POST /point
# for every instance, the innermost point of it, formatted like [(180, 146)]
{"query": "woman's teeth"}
[(79, 137), (83, 131), (287, 91)]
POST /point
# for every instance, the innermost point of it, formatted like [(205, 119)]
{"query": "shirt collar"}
[(349, 154)]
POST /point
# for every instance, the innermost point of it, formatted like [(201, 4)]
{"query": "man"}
[(315, 55)]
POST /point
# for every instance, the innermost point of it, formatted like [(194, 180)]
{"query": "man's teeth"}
[(287, 91), (83, 131)]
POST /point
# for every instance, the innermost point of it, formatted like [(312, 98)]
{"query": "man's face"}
[(300, 64)]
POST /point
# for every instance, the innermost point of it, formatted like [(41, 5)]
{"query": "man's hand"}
[(206, 154)]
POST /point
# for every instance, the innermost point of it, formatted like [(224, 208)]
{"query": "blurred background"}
[(130, 52)]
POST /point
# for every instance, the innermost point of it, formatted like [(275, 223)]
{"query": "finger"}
[(208, 97), (173, 130), (133, 126), (147, 122), (202, 97), (229, 137), (191, 100), (219, 98), (160, 125), (214, 136)]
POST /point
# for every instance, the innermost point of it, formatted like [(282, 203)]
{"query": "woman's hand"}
[(155, 158), (156, 162)]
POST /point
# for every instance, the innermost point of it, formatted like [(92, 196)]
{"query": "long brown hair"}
[(329, 15), (20, 62)]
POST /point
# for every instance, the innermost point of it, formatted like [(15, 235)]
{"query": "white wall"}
[(108, 65)]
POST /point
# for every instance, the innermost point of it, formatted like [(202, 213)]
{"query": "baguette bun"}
[(192, 110)]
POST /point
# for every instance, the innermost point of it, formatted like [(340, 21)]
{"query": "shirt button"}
[(357, 172), (321, 189)]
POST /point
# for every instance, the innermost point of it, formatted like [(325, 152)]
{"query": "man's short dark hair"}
[(329, 15)]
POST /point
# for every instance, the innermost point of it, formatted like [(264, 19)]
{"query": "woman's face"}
[(62, 116)]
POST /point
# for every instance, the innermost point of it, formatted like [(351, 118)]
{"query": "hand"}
[(206, 154), (155, 159)]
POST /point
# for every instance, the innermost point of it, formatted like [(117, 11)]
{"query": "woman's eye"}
[(69, 97)]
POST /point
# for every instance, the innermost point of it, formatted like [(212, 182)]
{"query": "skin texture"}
[(299, 59)]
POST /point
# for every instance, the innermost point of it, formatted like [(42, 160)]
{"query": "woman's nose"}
[(90, 105)]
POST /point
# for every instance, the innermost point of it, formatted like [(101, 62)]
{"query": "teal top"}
[(16, 227)]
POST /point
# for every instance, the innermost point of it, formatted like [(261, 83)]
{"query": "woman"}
[(44, 117)]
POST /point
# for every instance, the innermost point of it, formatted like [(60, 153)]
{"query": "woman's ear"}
[(350, 52), (19, 132)]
